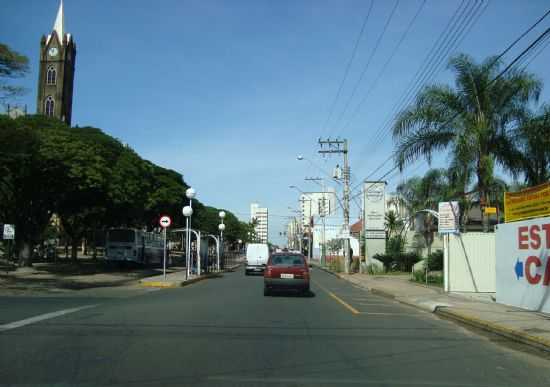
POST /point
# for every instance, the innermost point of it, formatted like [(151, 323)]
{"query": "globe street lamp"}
[(221, 227)]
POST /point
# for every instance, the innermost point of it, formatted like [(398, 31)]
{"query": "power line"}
[(520, 37), (375, 49), (354, 52), (449, 43), (385, 66), (517, 59)]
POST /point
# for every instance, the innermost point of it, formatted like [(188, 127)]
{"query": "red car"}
[(286, 271)]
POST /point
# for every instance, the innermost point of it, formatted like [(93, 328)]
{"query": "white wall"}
[(472, 260)]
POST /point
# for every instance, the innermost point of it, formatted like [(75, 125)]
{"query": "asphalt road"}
[(224, 332)]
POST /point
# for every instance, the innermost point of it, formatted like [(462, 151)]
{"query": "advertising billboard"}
[(374, 200), (522, 264), (528, 203)]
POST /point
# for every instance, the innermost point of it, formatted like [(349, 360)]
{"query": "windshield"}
[(125, 236), (287, 260)]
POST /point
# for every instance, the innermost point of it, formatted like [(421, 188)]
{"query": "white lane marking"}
[(41, 317)]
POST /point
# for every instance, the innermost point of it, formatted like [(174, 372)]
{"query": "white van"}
[(257, 255)]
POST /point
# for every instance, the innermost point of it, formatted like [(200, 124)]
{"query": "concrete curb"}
[(512, 334), (176, 284), (444, 311)]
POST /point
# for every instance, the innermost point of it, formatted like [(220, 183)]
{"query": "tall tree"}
[(12, 65), (526, 152), (469, 120)]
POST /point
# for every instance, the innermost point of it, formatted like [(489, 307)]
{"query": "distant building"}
[(13, 111), (260, 216), (56, 72)]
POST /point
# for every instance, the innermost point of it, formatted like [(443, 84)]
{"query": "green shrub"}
[(395, 246), (435, 261), (400, 262), (406, 261)]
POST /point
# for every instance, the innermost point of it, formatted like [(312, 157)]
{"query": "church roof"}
[(59, 25)]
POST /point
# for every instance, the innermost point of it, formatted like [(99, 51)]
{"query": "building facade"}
[(260, 216), (56, 72)]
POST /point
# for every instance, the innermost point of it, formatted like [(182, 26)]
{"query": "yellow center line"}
[(344, 303)]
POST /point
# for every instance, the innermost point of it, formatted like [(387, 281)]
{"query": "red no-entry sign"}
[(165, 221)]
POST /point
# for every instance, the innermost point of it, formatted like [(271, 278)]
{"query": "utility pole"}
[(329, 146), (322, 214)]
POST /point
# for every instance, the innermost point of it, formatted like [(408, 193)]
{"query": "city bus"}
[(133, 245)]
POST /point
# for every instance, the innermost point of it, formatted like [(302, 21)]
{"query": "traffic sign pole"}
[(164, 264), (164, 222)]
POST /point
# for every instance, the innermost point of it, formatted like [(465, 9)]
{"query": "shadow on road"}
[(292, 294)]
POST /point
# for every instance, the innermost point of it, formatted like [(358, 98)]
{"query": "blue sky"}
[(229, 92)]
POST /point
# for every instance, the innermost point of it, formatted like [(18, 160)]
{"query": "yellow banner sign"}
[(532, 202)]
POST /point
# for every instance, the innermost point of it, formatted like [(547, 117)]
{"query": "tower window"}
[(51, 75), (50, 104)]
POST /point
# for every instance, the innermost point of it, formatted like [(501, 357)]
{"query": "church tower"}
[(56, 75)]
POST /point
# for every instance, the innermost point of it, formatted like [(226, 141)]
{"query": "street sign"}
[(9, 231), (523, 264), (490, 210), (448, 217), (165, 221), (533, 202), (375, 234)]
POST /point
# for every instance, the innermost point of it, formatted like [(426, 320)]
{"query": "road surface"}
[(224, 332)]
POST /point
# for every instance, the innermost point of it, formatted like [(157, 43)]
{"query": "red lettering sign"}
[(532, 260), (534, 236), (523, 238), (546, 228)]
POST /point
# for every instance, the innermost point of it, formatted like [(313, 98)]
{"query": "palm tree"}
[(469, 120), (527, 151), (393, 223)]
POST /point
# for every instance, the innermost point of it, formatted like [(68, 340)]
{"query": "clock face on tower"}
[(52, 51)]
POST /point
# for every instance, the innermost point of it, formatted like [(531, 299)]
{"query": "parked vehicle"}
[(286, 271), (257, 255), (131, 245)]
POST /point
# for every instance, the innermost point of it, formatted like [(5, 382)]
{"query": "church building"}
[(56, 74)]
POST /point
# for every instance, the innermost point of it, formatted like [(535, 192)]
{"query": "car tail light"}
[(268, 272)]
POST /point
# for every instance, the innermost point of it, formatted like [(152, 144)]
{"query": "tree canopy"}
[(91, 181), (12, 65)]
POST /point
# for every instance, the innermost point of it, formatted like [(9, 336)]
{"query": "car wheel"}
[(267, 292), (246, 272)]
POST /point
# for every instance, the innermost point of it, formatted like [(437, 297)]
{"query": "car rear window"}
[(287, 260)]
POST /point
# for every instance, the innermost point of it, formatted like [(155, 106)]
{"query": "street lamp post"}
[(221, 227), (190, 194)]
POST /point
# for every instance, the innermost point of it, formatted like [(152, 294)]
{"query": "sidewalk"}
[(532, 328), (177, 279)]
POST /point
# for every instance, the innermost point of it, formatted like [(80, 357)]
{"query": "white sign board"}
[(9, 231), (522, 264), (165, 221), (374, 199), (375, 234), (448, 217)]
